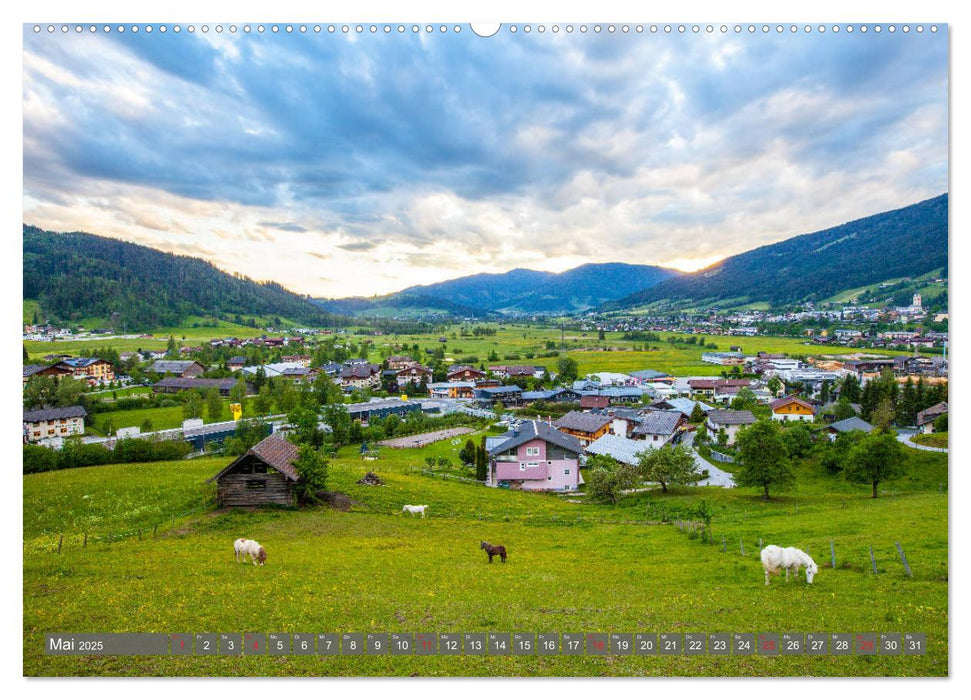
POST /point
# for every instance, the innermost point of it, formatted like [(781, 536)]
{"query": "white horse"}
[(774, 559), (244, 547), (414, 510)]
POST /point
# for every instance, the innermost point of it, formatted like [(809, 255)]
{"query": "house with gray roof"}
[(729, 421), (49, 423), (660, 427), (621, 448), (585, 427), (177, 368), (848, 425), (534, 456)]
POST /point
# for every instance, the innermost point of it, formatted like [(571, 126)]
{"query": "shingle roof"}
[(582, 422), (929, 414), (620, 448), (275, 451), (852, 423), (30, 370), (178, 366), (531, 430), (785, 400), (658, 423), (726, 417), (196, 383), (54, 413)]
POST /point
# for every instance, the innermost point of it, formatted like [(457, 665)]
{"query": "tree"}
[(325, 391), (339, 421), (481, 463), (850, 389), (607, 479), (467, 454), (498, 409), (843, 409), (238, 393), (192, 405), (355, 434), (214, 405), (312, 468), (744, 400), (940, 423), (882, 416), (172, 348), (567, 369), (763, 457), (833, 457), (697, 414), (798, 440), (875, 458), (263, 403), (147, 426), (669, 465), (305, 427)]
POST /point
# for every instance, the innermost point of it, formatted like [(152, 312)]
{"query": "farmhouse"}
[(792, 408), (236, 363), (729, 421), (506, 395), (173, 385), (534, 457), (586, 427), (463, 373), (360, 376), (660, 427), (177, 368), (265, 474), (415, 374), (397, 362), (848, 425), (46, 423), (91, 369), (926, 418)]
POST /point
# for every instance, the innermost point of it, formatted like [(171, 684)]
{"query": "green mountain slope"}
[(905, 242), (79, 275)]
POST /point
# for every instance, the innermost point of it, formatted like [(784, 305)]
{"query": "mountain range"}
[(79, 275)]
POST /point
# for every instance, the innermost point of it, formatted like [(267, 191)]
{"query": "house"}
[(926, 418), (619, 447), (686, 406), (506, 395), (177, 368), (792, 408), (30, 371), (516, 371), (705, 387), (660, 427), (415, 374), (723, 358), (299, 375), (173, 385), (301, 360), (848, 425), (534, 457), (46, 423), (451, 390), (593, 401), (93, 370), (236, 363), (360, 376), (623, 394), (586, 427), (264, 474), (462, 373), (729, 421), (613, 379), (650, 376), (397, 362)]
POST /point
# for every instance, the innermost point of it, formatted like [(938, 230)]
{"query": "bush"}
[(940, 423), (39, 459)]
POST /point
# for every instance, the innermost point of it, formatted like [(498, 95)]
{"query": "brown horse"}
[(494, 550)]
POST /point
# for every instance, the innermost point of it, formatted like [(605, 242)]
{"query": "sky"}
[(360, 164)]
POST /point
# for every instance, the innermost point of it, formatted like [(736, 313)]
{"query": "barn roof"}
[(582, 422), (42, 414), (659, 423), (274, 451)]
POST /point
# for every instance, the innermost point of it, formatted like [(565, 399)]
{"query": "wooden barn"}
[(264, 474)]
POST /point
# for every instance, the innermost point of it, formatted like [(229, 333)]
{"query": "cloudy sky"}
[(360, 164)]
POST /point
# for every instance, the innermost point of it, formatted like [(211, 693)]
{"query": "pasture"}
[(573, 567)]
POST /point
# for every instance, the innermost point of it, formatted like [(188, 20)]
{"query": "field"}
[(573, 567), (163, 418), (931, 439)]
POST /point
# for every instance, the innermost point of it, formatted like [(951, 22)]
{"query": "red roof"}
[(786, 400)]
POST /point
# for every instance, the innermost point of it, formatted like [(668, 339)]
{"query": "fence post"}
[(741, 546), (873, 560), (903, 558), (59, 543), (155, 531), (832, 553), (760, 544), (85, 540), (723, 543)]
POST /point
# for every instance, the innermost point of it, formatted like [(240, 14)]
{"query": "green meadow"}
[(573, 567)]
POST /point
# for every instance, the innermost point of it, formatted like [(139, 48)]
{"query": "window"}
[(532, 465), (655, 438), (522, 466), (566, 471), (532, 451)]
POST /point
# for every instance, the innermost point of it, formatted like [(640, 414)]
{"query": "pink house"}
[(534, 457)]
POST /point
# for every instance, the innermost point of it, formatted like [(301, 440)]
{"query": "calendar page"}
[(517, 349)]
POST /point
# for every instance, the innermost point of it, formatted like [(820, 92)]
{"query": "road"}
[(903, 436), (716, 476)]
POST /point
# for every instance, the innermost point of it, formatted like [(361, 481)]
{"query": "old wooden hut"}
[(264, 474)]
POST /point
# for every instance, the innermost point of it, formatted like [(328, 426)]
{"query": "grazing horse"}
[(774, 559), (414, 510), (244, 547), (494, 550)]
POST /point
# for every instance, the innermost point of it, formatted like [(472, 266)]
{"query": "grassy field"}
[(163, 418), (931, 439), (573, 567)]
